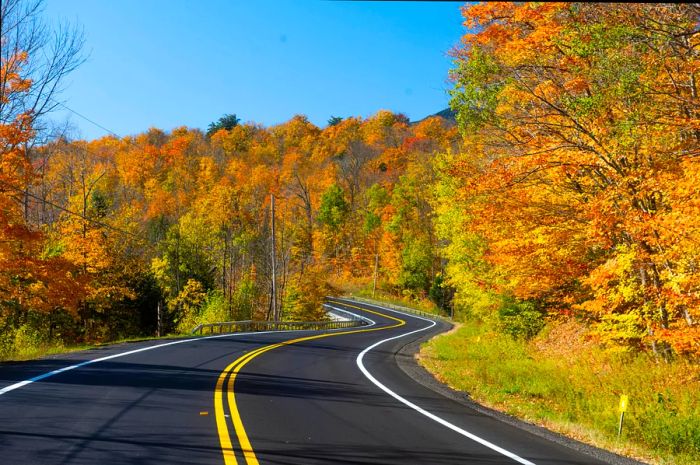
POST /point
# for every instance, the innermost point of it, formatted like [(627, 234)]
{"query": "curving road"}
[(301, 397)]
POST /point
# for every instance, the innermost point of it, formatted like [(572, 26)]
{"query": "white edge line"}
[(20, 384), (359, 361), (418, 409), (26, 382)]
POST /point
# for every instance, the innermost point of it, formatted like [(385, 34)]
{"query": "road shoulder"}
[(406, 360)]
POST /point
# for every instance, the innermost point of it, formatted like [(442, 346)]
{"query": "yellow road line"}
[(225, 440), (231, 371)]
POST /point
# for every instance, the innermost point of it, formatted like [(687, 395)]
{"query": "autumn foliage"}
[(181, 221), (569, 187), (580, 172), (30, 277)]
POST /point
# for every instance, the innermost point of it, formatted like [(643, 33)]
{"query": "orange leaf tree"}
[(582, 119)]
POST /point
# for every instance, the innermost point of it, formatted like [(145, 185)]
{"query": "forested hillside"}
[(182, 220), (568, 189)]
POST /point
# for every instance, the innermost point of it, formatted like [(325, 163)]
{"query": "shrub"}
[(304, 297), (522, 320), (27, 339), (441, 293), (188, 304), (214, 309), (626, 330)]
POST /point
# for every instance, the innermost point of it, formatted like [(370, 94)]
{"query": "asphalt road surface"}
[(301, 397)]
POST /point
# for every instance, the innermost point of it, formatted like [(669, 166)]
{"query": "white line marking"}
[(336, 316), (20, 384), (370, 322), (418, 409)]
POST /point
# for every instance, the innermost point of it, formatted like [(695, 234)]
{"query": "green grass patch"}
[(577, 391), (47, 349)]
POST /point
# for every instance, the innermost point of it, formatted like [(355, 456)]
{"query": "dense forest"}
[(567, 189), (183, 220)]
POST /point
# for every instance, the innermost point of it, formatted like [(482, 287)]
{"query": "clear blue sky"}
[(168, 63)]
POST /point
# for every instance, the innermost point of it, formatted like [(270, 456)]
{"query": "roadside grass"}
[(34, 352), (575, 390)]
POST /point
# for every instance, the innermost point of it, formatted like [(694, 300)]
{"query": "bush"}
[(303, 300), (625, 330), (243, 300), (416, 260), (30, 338), (522, 320), (441, 293), (214, 309), (187, 305), (27, 339)]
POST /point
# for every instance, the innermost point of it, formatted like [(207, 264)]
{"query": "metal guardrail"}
[(395, 307), (252, 326)]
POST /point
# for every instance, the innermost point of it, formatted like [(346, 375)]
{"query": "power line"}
[(87, 119), (129, 141), (70, 212)]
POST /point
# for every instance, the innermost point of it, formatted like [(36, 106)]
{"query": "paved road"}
[(305, 402)]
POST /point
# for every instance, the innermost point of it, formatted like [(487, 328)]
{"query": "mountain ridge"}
[(447, 114)]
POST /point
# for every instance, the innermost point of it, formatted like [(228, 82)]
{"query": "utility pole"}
[(275, 314), (376, 267)]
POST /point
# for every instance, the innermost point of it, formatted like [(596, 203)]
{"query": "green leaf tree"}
[(227, 122)]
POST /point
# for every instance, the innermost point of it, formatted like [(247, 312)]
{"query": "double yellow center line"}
[(227, 380)]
